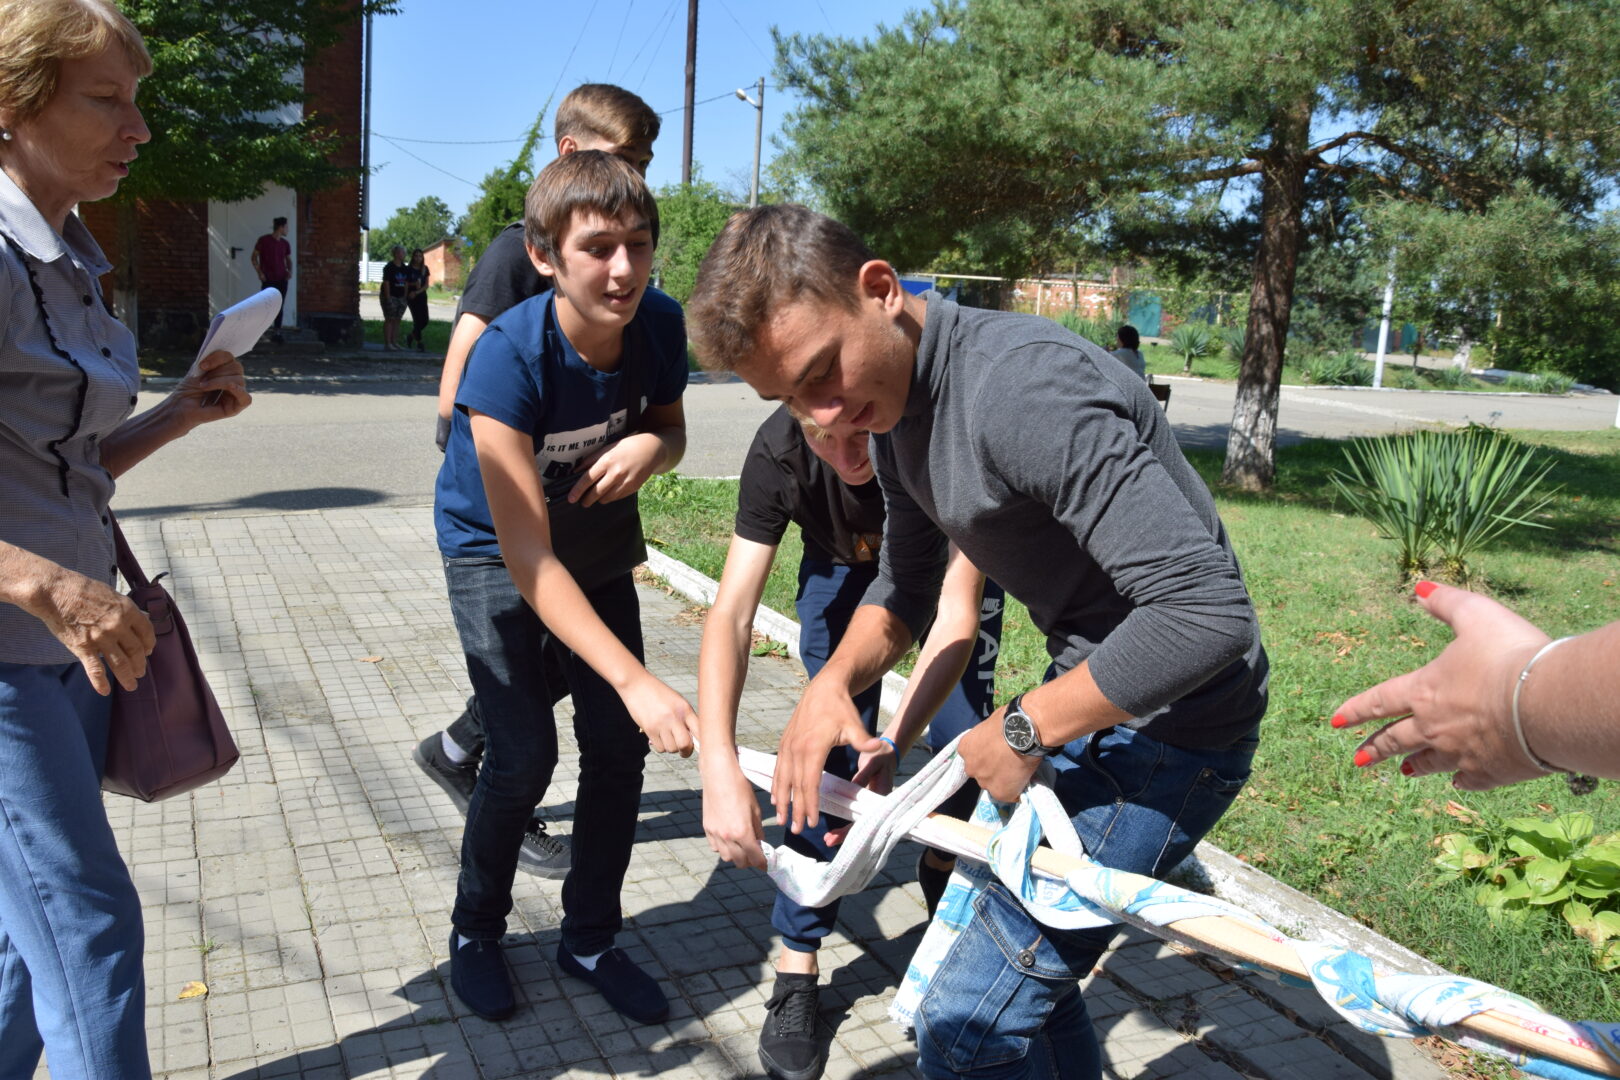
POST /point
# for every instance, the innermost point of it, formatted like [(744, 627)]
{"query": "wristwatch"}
[(1018, 728)]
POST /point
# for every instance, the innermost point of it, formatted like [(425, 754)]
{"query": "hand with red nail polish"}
[(1455, 709)]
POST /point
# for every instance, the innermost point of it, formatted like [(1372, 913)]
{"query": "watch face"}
[(1019, 732)]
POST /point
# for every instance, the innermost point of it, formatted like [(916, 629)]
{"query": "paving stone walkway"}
[(310, 890)]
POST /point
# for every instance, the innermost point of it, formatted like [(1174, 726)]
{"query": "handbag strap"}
[(127, 564)]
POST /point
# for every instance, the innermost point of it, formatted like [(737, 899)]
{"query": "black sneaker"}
[(478, 976), (932, 881), (618, 979), (788, 1047), (543, 855), (456, 780)]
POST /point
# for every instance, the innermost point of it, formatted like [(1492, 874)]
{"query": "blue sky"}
[(463, 72)]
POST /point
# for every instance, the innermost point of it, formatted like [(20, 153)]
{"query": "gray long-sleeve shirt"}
[(1050, 464)]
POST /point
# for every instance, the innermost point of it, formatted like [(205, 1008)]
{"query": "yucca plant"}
[(1096, 331), (1454, 378), (1191, 340), (1442, 496), (1492, 482)]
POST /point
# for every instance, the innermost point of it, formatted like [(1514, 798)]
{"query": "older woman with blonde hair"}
[(71, 981)]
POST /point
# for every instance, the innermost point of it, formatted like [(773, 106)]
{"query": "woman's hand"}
[(665, 717), (214, 389), (98, 624)]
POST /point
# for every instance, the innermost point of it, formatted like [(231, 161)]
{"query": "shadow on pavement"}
[(313, 498)]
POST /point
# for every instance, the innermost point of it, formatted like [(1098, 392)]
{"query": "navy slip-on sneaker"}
[(625, 986), (479, 977)]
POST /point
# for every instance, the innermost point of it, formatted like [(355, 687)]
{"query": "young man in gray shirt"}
[(1050, 465)]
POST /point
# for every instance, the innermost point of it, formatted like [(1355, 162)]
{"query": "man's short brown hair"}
[(610, 113), (765, 259), (590, 181)]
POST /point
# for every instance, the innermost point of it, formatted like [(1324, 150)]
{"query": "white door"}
[(233, 229)]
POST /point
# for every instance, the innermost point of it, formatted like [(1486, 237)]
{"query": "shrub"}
[(1454, 378), (1403, 378), (1442, 496), (1191, 340), (1096, 331), (1337, 369)]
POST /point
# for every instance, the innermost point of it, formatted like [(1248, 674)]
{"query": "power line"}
[(823, 11), (660, 45), (615, 56), (745, 32), (668, 11), (570, 59), (705, 101), (425, 161), (447, 142)]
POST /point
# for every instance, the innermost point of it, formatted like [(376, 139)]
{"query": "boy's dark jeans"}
[(504, 640)]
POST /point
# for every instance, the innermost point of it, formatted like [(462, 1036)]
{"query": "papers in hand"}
[(238, 328)]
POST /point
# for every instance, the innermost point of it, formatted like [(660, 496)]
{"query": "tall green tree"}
[(420, 226), (690, 216), (226, 112), (502, 192), (1010, 128)]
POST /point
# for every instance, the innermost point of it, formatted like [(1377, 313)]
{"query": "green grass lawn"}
[(435, 336), (1336, 620)]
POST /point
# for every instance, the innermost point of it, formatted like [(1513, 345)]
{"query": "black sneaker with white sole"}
[(542, 854), (456, 780), (788, 1047)]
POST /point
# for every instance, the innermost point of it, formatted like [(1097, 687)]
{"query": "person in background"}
[(1130, 349), (272, 261), (1501, 704), (417, 299), (71, 979), (392, 294)]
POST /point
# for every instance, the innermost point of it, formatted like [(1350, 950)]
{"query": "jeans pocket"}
[(996, 988)]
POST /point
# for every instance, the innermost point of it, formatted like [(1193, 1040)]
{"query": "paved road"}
[(320, 444)]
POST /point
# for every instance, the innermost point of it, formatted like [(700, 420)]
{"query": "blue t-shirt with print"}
[(525, 373)]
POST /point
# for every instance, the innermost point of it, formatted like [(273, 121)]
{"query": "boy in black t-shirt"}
[(797, 473)]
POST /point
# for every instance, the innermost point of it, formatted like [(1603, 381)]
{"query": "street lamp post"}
[(759, 131)]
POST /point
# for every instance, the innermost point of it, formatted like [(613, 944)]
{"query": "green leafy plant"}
[(1442, 496), (1097, 331), (1546, 383), (1191, 340), (1338, 369), (1454, 378), (1523, 866)]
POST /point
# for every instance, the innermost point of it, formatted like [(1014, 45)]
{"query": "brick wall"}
[(329, 220), (445, 264), (169, 266)]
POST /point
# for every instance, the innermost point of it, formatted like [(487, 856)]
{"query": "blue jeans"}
[(1139, 805), (71, 937), (829, 593), (503, 639)]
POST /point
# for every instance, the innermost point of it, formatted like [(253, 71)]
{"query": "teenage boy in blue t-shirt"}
[(570, 401)]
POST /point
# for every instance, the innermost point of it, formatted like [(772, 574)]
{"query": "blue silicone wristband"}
[(890, 741)]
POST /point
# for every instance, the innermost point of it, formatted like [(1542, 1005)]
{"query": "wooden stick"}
[(1226, 936)]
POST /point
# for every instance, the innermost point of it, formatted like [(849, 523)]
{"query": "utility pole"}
[(691, 86), (759, 131), (1383, 324)]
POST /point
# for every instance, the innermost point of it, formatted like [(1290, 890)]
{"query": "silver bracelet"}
[(1518, 723)]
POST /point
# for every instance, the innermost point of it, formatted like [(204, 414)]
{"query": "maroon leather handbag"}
[(167, 735)]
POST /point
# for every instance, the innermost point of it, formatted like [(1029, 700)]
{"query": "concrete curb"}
[(1208, 869)]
